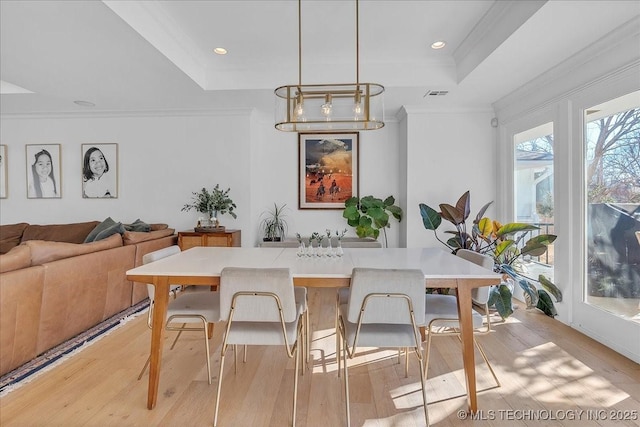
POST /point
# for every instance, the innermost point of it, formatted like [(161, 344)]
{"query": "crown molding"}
[(615, 54), (128, 114), (407, 110), (497, 25)]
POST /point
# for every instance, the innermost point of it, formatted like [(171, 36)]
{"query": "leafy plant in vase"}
[(500, 241), (213, 203), (369, 215)]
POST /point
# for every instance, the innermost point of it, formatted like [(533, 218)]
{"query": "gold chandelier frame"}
[(338, 107)]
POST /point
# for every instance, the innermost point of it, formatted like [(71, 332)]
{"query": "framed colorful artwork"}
[(327, 169), (44, 177), (99, 171)]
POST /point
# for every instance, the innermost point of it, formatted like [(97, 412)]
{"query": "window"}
[(612, 180), (533, 187)]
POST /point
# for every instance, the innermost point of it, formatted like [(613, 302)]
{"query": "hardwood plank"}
[(545, 368)]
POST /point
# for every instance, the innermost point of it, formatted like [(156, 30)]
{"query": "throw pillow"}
[(137, 225), (98, 229), (116, 228)]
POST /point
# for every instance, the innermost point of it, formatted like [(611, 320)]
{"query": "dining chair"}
[(300, 294), (199, 307), (260, 307), (383, 309), (441, 312)]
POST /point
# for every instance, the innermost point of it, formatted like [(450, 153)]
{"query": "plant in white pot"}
[(273, 224), (212, 203)]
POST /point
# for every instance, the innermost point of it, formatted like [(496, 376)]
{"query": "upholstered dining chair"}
[(383, 309), (441, 312), (260, 307), (197, 307)]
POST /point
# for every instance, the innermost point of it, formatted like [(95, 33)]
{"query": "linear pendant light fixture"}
[(329, 107)]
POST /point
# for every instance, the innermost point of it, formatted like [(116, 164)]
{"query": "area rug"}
[(52, 358)]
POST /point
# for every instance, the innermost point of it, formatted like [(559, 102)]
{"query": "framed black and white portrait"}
[(44, 180), (99, 171)]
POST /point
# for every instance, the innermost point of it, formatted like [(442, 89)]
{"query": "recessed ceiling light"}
[(220, 51), (84, 103), (438, 45)]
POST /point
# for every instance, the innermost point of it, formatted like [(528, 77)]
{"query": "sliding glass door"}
[(612, 207), (606, 285)]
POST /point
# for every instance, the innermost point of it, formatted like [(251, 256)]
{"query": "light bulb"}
[(327, 107), (298, 109), (357, 106)]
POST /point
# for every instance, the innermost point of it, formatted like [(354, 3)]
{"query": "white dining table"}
[(203, 265)]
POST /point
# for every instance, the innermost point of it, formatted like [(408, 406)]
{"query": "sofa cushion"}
[(133, 237), (137, 225), (43, 251), (69, 233), (10, 236), (155, 227), (17, 258)]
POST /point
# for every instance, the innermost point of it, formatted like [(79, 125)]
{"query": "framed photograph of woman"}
[(3, 172), (327, 169), (44, 178), (99, 171)]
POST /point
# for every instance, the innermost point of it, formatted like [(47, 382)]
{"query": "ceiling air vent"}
[(435, 93)]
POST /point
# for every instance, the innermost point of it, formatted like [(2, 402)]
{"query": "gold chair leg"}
[(338, 338), (486, 360), (219, 390), (423, 377), (406, 363), (206, 346), (307, 335), (302, 342), (427, 354), (235, 359), (178, 336), (346, 383), (244, 356), (144, 368), (298, 355)]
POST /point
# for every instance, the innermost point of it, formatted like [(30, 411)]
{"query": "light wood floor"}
[(547, 371)]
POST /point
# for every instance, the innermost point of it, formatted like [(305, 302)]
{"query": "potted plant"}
[(501, 242), (369, 215), (274, 226), (213, 203)]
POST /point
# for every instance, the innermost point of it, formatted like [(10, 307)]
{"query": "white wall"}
[(276, 177), (448, 153), (163, 158)]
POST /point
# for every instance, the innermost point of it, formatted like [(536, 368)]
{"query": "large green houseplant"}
[(369, 215), (213, 203), (502, 243)]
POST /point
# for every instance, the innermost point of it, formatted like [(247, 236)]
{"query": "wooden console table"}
[(190, 239)]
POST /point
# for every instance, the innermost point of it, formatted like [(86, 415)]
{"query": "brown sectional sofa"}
[(53, 286)]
